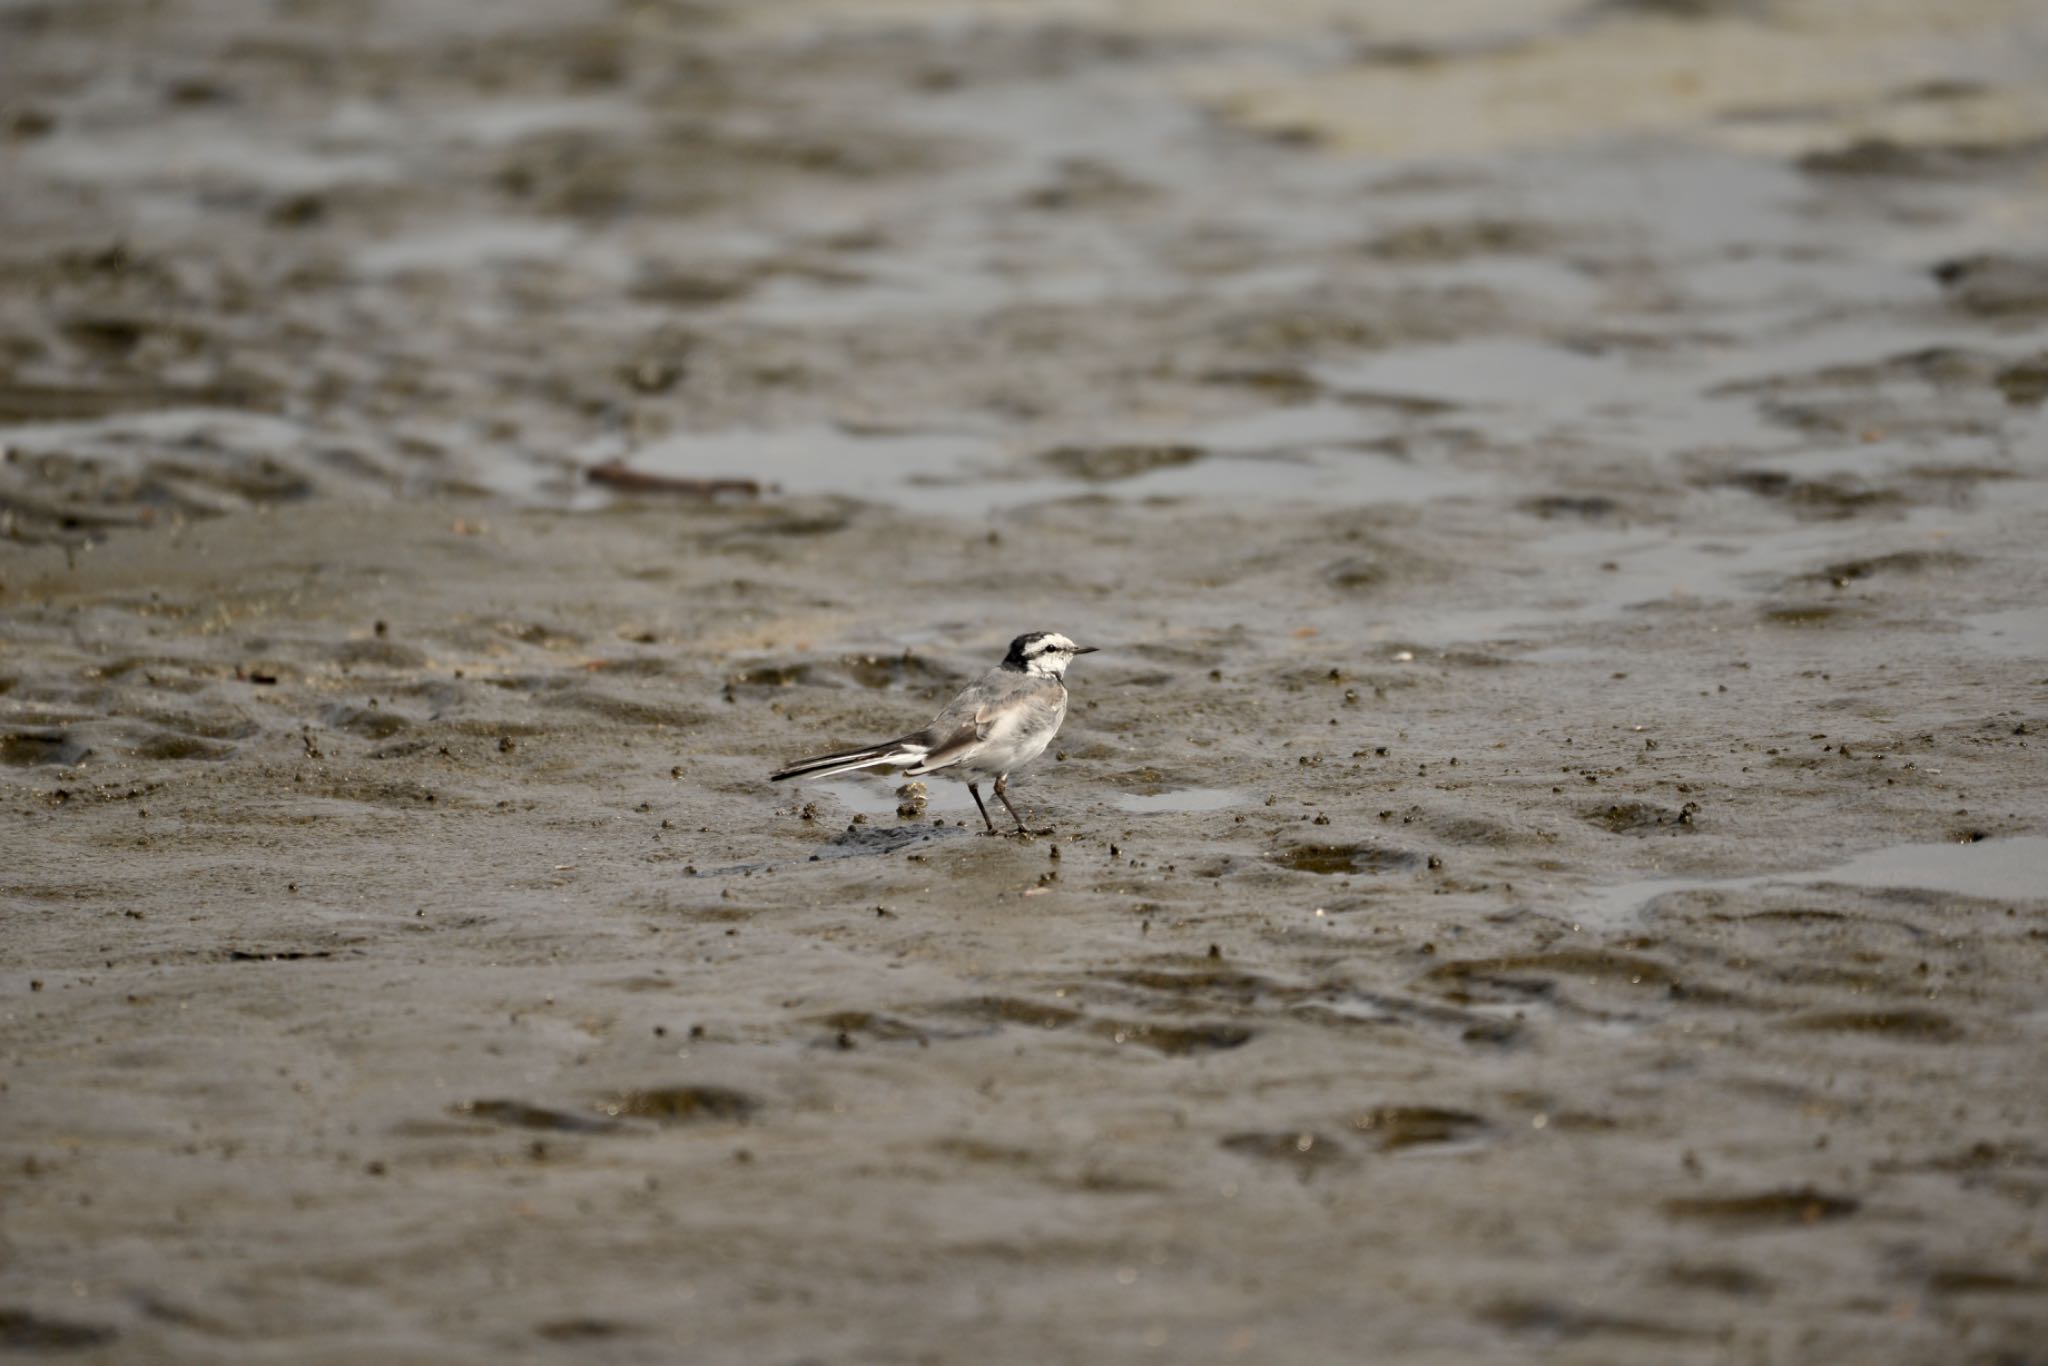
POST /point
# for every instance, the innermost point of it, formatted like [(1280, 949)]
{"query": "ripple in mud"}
[(1558, 506), (226, 725), (518, 1114), (682, 1105), (894, 671), (1945, 369), (1806, 614), (1844, 572), (1175, 1040), (1719, 1277), (631, 711), (1919, 1026), (845, 1024), (1328, 859), (1377, 1010), (1001, 1010), (1181, 799), (1239, 988), (1306, 1152), (539, 633), (1395, 1127), (1359, 572), (1982, 1156), (370, 723), (1580, 963), (1283, 383), (1886, 158), (1970, 1280), (581, 1330), (770, 676), (168, 745), (1483, 832), (1993, 285), (1108, 464), (981, 1151), (383, 654), (403, 749), (1461, 239), (1764, 1209), (1549, 1318), (1825, 500), (23, 1331), (31, 749), (2025, 384)]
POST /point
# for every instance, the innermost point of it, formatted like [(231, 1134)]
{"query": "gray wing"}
[(965, 721), (951, 749)]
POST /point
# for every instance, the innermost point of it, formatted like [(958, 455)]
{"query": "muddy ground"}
[(1551, 858)]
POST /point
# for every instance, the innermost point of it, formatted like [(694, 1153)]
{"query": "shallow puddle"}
[(2012, 869), (2021, 633), (926, 471), (1300, 453)]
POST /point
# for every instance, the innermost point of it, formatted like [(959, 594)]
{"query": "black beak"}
[(1086, 649)]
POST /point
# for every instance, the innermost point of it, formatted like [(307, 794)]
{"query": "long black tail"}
[(825, 765)]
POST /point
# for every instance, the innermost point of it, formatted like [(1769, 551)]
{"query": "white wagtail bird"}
[(998, 724)]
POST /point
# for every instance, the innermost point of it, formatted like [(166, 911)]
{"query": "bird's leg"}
[(1003, 795), (975, 792)]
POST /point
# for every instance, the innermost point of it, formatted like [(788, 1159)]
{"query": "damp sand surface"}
[(1548, 861)]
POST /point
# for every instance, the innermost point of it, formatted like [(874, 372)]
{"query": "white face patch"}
[(1049, 654)]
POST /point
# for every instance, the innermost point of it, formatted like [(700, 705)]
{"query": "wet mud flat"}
[(1550, 859), (448, 915)]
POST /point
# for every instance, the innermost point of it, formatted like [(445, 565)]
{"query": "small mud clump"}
[(1394, 1127), (518, 1114), (1305, 1151)]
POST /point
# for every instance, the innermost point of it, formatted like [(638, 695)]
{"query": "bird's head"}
[(1044, 652)]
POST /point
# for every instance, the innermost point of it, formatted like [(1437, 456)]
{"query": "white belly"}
[(1013, 741)]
